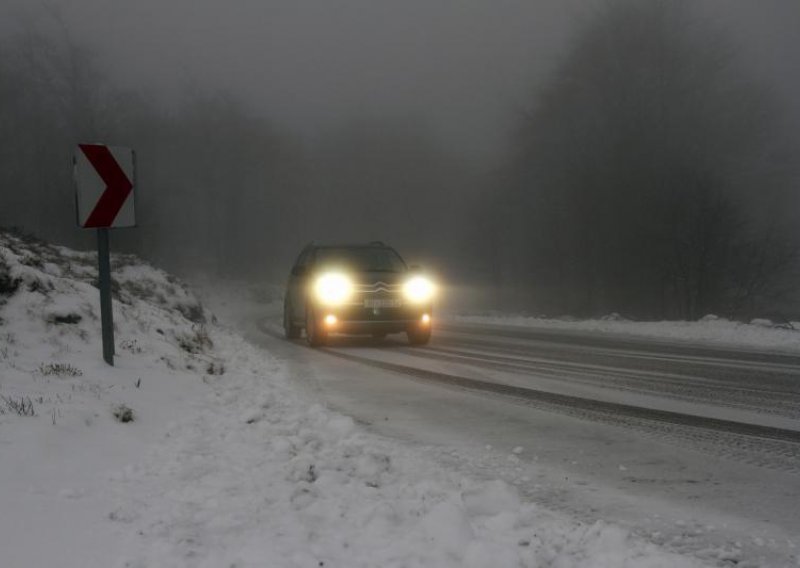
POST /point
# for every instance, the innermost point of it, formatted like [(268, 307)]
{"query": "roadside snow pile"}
[(66, 418), (711, 329), (197, 450), (50, 330)]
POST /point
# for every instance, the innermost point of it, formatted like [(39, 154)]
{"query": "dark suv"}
[(356, 289)]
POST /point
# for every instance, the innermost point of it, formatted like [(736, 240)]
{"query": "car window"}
[(363, 259)]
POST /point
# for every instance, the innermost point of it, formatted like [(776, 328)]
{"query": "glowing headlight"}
[(333, 288), (419, 289)]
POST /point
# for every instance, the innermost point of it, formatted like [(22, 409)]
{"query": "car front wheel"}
[(290, 330), (316, 335)]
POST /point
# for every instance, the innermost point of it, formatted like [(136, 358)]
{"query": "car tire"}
[(290, 330), (418, 337), (315, 334)]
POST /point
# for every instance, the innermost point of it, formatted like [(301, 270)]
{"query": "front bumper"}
[(361, 320)]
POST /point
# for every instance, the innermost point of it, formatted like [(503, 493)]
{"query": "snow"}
[(227, 462), (710, 330), (568, 465)]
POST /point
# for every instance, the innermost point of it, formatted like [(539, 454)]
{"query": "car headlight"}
[(333, 288), (419, 289)]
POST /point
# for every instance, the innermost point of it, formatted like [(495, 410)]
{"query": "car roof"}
[(373, 244)]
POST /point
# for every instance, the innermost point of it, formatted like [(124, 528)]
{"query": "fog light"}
[(426, 319), (330, 320)]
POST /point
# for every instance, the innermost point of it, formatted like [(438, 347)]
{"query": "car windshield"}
[(362, 259)]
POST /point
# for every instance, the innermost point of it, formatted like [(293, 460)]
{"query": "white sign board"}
[(104, 182)]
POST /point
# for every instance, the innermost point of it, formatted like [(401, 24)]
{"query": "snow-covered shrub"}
[(195, 342), (8, 284), (131, 346), (123, 413), (22, 405), (60, 370)]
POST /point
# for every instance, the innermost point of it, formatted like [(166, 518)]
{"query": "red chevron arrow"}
[(118, 186)]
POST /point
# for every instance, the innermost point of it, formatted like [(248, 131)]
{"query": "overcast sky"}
[(466, 66)]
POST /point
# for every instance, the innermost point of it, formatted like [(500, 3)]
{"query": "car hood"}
[(375, 277)]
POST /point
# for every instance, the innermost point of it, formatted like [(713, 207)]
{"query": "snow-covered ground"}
[(225, 462), (710, 330)]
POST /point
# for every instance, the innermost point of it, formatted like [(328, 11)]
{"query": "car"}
[(357, 289)]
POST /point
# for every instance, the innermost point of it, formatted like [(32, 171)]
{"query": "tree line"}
[(650, 176)]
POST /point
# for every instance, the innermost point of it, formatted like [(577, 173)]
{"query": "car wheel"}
[(315, 333), (418, 336), (289, 329)]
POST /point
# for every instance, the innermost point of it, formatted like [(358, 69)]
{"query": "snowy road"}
[(695, 448)]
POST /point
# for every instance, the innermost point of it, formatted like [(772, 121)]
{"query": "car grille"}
[(357, 311), (381, 288)]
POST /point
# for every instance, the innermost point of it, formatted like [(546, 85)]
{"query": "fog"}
[(466, 66), (308, 65), (263, 125)]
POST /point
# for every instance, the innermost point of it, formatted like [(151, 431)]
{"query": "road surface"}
[(695, 448)]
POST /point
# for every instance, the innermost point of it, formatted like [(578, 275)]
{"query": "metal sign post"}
[(104, 183), (106, 311)]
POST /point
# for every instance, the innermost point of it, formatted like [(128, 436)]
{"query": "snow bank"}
[(50, 330), (712, 330), (225, 463)]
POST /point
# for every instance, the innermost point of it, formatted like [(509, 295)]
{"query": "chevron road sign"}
[(104, 178)]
